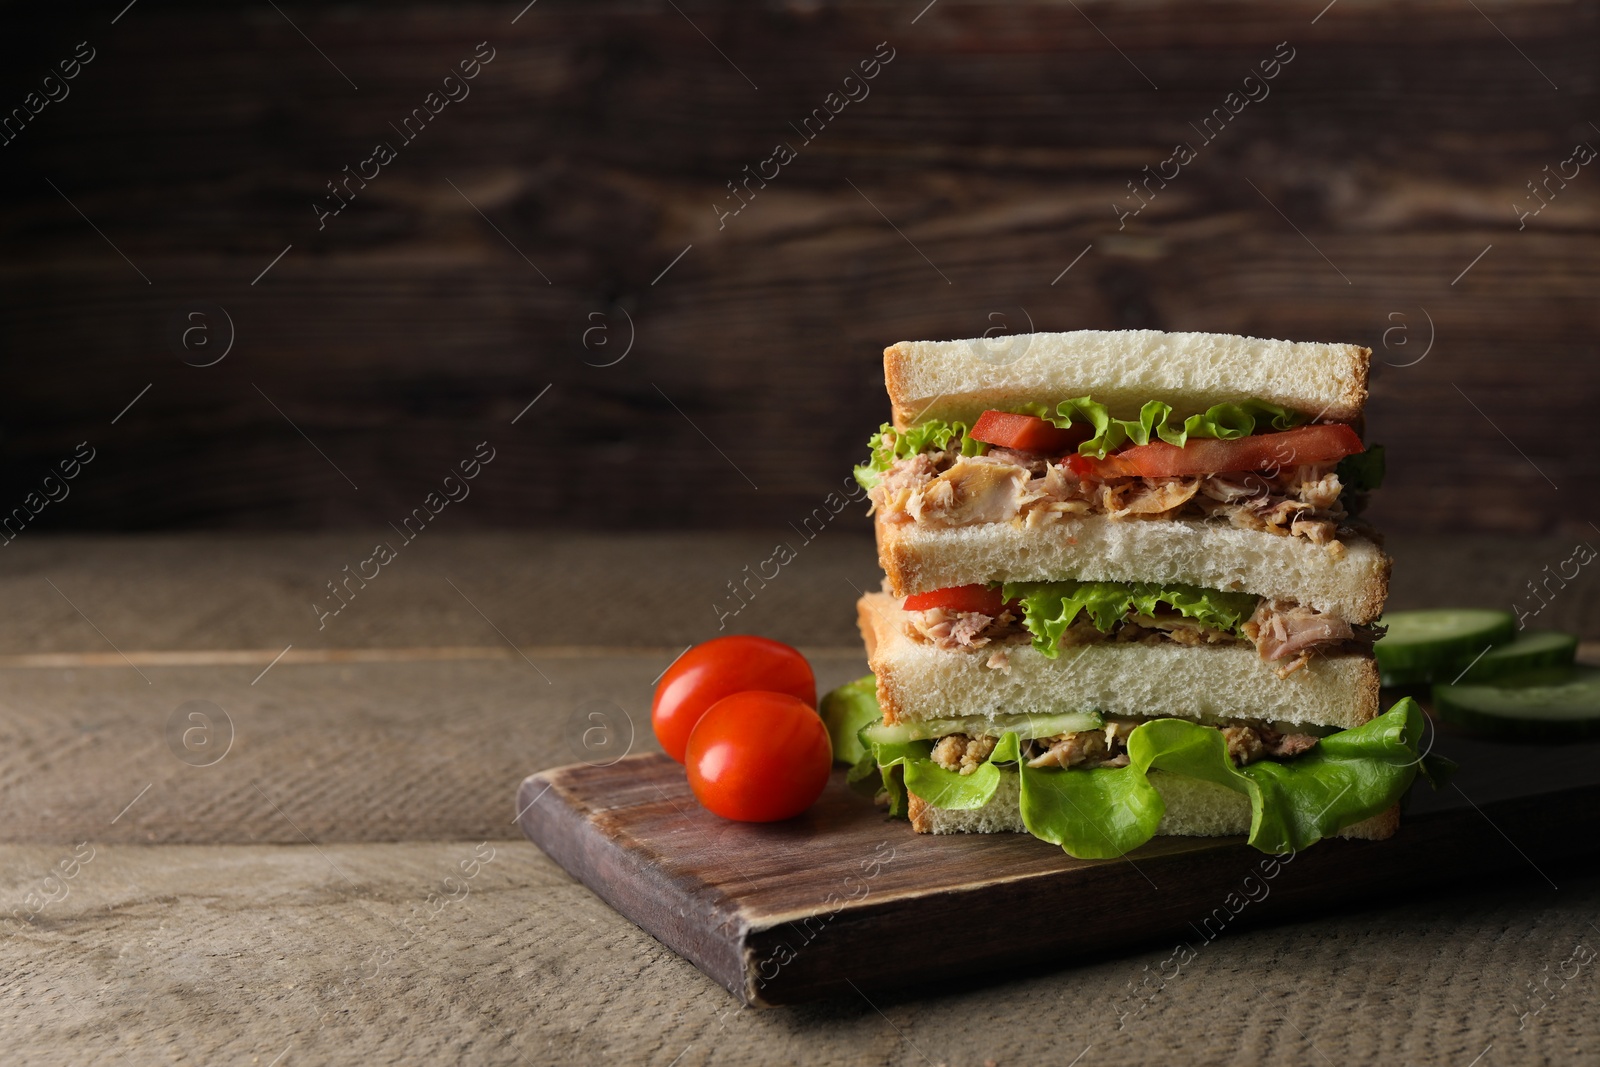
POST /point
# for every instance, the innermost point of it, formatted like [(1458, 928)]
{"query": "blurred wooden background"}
[(550, 210)]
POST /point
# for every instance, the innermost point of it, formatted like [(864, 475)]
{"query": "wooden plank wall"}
[(546, 212)]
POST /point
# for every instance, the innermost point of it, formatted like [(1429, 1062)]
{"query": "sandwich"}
[(1128, 591)]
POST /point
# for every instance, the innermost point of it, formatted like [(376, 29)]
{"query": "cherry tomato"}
[(759, 757), (980, 598), (1026, 433), (719, 667), (1321, 443)]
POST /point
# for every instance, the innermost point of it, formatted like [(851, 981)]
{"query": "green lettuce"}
[(878, 768), (1362, 471), (1105, 812), (893, 769), (1096, 813), (1048, 608), (1226, 422), (845, 711), (881, 771), (1350, 776), (889, 445), (949, 789)]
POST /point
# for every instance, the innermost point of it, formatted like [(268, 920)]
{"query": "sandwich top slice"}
[(956, 381), (1004, 470)]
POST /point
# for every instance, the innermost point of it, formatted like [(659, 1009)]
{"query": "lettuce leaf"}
[(845, 711), (950, 789), (1226, 422), (1350, 776), (1437, 770), (1363, 471), (935, 785), (889, 761), (889, 445), (1094, 814), (1048, 608), (864, 777), (1105, 812)]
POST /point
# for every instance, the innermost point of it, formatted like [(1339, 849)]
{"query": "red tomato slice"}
[(979, 598), (1026, 433), (759, 757), (719, 667), (1308, 444)]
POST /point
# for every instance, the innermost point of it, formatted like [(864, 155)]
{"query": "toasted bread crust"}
[(864, 623), (921, 816), (896, 374), (877, 629)]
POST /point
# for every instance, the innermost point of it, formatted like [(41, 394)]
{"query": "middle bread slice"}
[(1348, 579), (918, 681)]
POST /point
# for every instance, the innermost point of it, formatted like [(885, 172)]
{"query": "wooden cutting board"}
[(842, 896)]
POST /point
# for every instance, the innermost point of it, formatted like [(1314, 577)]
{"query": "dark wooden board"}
[(842, 896)]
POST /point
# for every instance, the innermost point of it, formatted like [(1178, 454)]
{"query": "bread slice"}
[(957, 380), (917, 680), (1349, 582), (1194, 809)]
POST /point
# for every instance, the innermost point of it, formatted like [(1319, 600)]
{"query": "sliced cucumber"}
[(1553, 703), (1429, 646), (1528, 652), (1024, 726)]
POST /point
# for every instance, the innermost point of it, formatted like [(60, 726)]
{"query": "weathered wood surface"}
[(1398, 142), (239, 954), (800, 910), (423, 747)]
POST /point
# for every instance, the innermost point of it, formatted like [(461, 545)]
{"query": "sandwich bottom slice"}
[(1100, 752), (1100, 786)]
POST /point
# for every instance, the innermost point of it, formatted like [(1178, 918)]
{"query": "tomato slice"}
[(1025, 433), (979, 598), (1308, 444)]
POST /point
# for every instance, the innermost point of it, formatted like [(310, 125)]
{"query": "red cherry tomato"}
[(720, 667), (759, 757)]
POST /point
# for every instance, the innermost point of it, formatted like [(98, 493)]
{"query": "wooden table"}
[(345, 882)]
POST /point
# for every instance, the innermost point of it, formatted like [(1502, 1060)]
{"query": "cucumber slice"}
[(1553, 703), (1528, 652), (1428, 646), (1024, 726)]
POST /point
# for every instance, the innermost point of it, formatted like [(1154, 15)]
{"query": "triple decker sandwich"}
[(1128, 592)]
